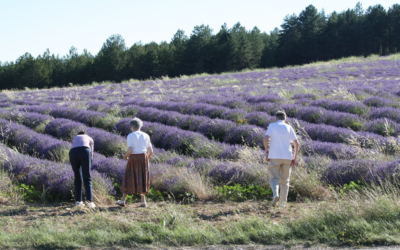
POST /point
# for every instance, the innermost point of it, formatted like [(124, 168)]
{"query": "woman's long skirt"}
[(137, 175)]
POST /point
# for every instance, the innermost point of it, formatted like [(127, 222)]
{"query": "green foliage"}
[(187, 197), (153, 195), (367, 218), (30, 194), (351, 186), (242, 193), (242, 122), (354, 125)]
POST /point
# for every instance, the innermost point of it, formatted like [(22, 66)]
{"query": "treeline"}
[(307, 37)]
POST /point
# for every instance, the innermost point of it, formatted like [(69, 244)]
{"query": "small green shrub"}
[(154, 195), (30, 194), (351, 187), (242, 193)]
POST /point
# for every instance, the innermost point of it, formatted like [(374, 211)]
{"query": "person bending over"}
[(80, 157)]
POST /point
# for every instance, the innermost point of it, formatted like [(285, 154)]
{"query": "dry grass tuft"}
[(9, 194), (184, 180), (308, 185)]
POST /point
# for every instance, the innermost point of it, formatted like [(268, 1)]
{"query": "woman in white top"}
[(137, 175)]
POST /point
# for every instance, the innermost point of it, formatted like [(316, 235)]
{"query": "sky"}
[(36, 25)]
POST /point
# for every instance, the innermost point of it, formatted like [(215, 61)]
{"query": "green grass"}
[(362, 217)]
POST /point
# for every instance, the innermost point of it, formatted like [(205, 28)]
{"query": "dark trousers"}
[(81, 162)]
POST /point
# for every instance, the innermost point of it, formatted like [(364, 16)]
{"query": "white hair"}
[(136, 123)]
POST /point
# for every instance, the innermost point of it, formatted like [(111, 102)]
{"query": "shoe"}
[(144, 204), (79, 204), (275, 200), (282, 204), (121, 203), (91, 204)]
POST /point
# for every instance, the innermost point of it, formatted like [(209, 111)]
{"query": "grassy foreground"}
[(364, 217)]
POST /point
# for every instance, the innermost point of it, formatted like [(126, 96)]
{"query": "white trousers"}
[(279, 171)]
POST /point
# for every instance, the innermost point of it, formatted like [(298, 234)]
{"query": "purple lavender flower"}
[(343, 172), (260, 119), (343, 106), (215, 128), (234, 114), (32, 142), (55, 178), (376, 101), (245, 134), (386, 112), (382, 126), (265, 98), (304, 95)]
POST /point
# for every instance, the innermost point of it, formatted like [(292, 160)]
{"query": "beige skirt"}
[(137, 175)]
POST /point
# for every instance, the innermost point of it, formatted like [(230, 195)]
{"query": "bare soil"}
[(218, 213)]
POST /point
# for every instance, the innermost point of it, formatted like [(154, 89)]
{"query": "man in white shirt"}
[(280, 136)]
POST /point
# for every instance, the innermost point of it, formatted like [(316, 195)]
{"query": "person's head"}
[(280, 115), (82, 132), (136, 124)]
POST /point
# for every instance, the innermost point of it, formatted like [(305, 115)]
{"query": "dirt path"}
[(218, 213)]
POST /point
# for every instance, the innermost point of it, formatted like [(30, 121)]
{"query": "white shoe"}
[(282, 204), (79, 204), (275, 200), (91, 204), (121, 203)]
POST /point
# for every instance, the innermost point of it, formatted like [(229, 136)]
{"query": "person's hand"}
[(266, 157), (293, 163)]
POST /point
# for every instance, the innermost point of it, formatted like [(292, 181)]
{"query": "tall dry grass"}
[(9, 193)]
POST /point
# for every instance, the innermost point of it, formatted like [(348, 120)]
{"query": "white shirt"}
[(139, 141), (281, 135)]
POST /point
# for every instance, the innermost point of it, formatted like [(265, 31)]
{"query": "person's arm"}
[(91, 144), (128, 153), (296, 150), (266, 141), (149, 152), (293, 138), (130, 148), (149, 147)]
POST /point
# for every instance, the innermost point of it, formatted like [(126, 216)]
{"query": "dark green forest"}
[(308, 37)]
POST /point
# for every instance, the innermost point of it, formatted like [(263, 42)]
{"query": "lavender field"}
[(208, 129)]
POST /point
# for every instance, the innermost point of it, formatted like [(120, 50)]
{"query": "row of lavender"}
[(50, 148), (219, 172), (53, 177), (196, 144), (229, 132), (383, 121), (311, 114), (372, 76)]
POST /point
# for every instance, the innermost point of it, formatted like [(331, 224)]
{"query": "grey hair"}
[(280, 115), (136, 123)]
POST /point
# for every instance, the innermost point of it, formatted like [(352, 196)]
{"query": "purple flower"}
[(343, 106), (386, 112), (304, 95), (53, 177), (216, 128), (382, 126), (33, 143)]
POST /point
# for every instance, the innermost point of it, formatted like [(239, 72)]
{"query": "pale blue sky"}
[(35, 25)]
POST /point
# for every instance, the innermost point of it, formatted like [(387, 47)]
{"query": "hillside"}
[(207, 131)]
